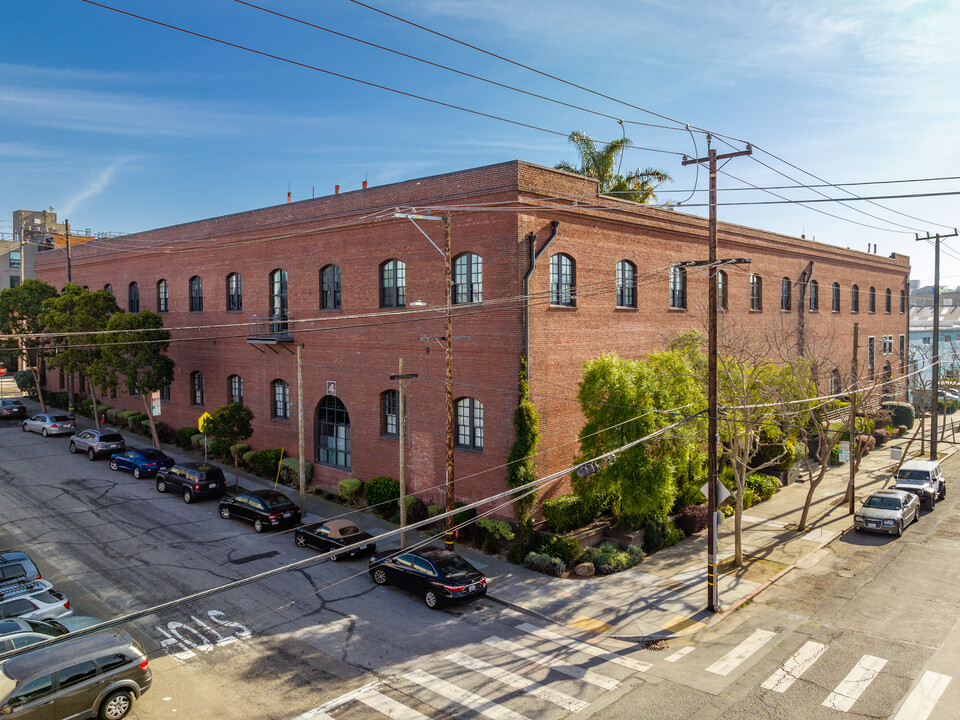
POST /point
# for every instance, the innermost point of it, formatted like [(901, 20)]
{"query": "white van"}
[(924, 478)]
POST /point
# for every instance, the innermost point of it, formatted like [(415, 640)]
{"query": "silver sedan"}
[(50, 424), (887, 511)]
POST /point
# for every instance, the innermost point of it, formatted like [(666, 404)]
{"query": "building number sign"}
[(332, 387)]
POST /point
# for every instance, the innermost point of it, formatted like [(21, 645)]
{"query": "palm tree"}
[(598, 163)]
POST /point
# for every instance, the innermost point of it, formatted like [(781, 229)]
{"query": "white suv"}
[(33, 600), (923, 478)]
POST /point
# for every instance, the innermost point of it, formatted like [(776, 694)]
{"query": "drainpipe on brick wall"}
[(534, 254)]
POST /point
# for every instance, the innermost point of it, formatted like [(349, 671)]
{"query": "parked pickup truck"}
[(923, 478)]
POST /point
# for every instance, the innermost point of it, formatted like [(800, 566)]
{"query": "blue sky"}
[(124, 126)]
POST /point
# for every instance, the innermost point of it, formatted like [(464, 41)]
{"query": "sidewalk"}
[(665, 595)]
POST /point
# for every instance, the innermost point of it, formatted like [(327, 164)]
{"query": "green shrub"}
[(290, 472), (567, 549), (25, 382), (464, 517), (165, 433), (113, 417), (764, 486), (416, 509), (523, 541), (135, 422), (659, 533), (901, 413), (434, 510), (197, 440), (349, 489), (498, 528), (58, 400), (566, 512), (949, 407), (382, 494), (85, 407), (728, 510), (689, 494), (609, 558), (266, 462), (542, 562), (237, 451), (750, 498), (249, 458), (183, 436)]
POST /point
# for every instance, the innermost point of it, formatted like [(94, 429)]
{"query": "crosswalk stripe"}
[(726, 664), (386, 705), (852, 686), (490, 709), (679, 654), (518, 682), (574, 671), (585, 648), (795, 666), (920, 703)]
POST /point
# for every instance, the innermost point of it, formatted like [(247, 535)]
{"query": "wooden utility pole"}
[(300, 443), (854, 439), (448, 373), (69, 275), (713, 437), (400, 376)]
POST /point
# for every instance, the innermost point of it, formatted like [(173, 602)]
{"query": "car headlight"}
[(889, 523)]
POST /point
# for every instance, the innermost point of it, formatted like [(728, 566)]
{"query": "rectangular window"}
[(14, 281), (165, 393), (903, 352), (678, 287), (14, 258), (871, 353), (756, 293)]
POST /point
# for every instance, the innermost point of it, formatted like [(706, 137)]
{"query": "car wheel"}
[(43, 432), (301, 541), (73, 447), (943, 492), (431, 599), (113, 464), (187, 497), (225, 513), (900, 528), (380, 576), (25, 428), (116, 706), (258, 525), (930, 502), (136, 473), (334, 558), (161, 486), (91, 455)]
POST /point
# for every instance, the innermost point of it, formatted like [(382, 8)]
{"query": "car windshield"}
[(152, 454), (275, 501), (59, 418), (107, 437), (920, 475), (44, 629), (882, 503), (454, 566)]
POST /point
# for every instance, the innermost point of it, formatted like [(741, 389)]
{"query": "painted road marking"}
[(320, 713), (681, 653), (585, 648), (857, 680), (795, 666), (386, 705), (921, 701), (480, 705), (574, 671), (682, 622), (518, 682), (726, 664), (590, 624)]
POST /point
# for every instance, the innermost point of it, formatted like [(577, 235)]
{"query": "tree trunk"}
[(71, 403), (36, 380), (153, 425), (236, 472), (96, 407)]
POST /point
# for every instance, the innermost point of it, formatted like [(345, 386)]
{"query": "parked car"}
[(887, 511), (334, 534), (193, 480), (264, 508), (924, 478), (33, 599), (439, 576), (101, 675), (142, 462), (50, 424), (16, 566), (10, 408), (98, 442), (18, 632)]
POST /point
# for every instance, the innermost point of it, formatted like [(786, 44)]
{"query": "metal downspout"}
[(534, 254)]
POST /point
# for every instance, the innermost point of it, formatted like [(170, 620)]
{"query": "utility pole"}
[(713, 438), (854, 440), (69, 275), (300, 444), (70, 400), (399, 376), (936, 340)]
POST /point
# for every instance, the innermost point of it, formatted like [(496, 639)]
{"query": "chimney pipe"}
[(288, 197), (336, 189), (364, 184)]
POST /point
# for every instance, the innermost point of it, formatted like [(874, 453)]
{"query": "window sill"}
[(785, 311), (625, 308), (562, 308), (471, 450), (388, 436), (331, 310), (756, 311), (277, 418), (676, 309), (238, 310)]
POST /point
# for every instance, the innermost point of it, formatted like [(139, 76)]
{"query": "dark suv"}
[(16, 566), (12, 409), (194, 480), (99, 675)]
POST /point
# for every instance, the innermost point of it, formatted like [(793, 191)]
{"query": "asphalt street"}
[(868, 627)]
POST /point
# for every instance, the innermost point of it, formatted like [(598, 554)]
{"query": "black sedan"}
[(335, 534), (440, 577), (263, 508), (12, 409)]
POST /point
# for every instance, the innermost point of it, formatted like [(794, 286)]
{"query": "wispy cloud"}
[(93, 187)]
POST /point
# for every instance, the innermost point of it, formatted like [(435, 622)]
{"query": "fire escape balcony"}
[(269, 329)]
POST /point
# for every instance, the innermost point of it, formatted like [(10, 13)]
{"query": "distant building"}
[(921, 341), (923, 296), (39, 231)]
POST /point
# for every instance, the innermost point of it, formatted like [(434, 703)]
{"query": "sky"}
[(121, 125)]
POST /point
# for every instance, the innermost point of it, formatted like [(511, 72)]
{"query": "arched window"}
[(109, 288), (393, 284), (786, 294), (278, 301), (756, 292), (234, 293), (721, 290), (196, 294), (814, 290), (467, 278), (835, 301), (389, 409), (903, 301), (626, 284), (678, 287), (280, 392), (872, 299), (562, 280), (163, 296), (469, 423), (133, 297), (855, 299), (332, 433), (235, 389), (196, 388), (330, 287), (888, 302), (835, 383)]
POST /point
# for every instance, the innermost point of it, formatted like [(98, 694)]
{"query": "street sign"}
[(203, 421), (722, 492), (3, 371), (844, 450), (155, 403)]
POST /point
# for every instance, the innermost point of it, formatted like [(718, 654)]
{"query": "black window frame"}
[(723, 286), (467, 279), (786, 294), (235, 389), (16, 259), (332, 413), (872, 300), (196, 389), (331, 289), (678, 288), (903, 301), (855, 299), (626, 284), (871, 353), (390, 421), (468, 423), (133, 297), (563, 280), (756, 293), (195, 290), (109, 288), (813, 296), (163, 296), (888, 301), (280, 399), (234, 292), (835, 299), (393, 295), (279, 300)]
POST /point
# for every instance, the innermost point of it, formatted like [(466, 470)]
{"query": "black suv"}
[(12, 409), (16, 566), (194, 480), (438, 576)]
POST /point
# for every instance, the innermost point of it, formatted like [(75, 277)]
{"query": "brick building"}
[(359, 289)]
